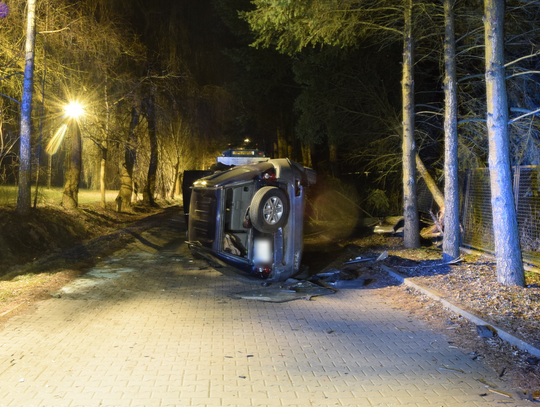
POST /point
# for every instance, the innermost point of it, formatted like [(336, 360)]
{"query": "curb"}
[(511, 339)]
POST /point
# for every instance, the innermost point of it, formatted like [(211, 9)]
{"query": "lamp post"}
[(72, 175)]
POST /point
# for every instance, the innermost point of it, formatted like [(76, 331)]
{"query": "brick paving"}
[(151, 326)]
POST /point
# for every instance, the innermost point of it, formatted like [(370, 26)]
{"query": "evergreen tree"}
[(507, 248)]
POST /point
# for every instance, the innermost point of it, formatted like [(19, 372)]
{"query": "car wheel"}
[(269, 209)]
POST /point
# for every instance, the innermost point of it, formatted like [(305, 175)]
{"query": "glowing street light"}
[(74, 109)]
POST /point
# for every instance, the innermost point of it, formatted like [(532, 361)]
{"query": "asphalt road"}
[(151, 326)]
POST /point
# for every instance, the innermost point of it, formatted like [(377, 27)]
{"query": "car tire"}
[(269, 209)]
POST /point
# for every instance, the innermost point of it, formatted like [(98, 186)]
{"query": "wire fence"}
[(476, 211)]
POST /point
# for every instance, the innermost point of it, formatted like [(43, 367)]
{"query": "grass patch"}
[(532, 277), (8, 195)]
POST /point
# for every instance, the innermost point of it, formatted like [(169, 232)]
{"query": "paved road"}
[(150, 326)]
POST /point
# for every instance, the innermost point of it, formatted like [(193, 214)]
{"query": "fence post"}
[(466, 202), (517, 176)]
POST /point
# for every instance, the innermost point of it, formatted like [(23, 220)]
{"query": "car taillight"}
[(269, 175), (264, 272)]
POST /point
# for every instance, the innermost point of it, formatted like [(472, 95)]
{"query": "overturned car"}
[(251, 217)]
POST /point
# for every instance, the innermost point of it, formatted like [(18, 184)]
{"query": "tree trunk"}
[(282, 143), (178, 185), (38, 171), (104, 148), (102, 172), (126, 168), (70, 198), (150, 187), (175, 178), (334, 165), (411, 234), (452, 236), (49, 171), (306, 155), (507, 247), (430, 182), (24, 197)]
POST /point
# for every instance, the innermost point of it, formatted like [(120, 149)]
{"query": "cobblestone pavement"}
[(150, 326)]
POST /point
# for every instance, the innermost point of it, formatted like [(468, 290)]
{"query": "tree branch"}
[(471, 120), (521, 73), (534, 112), (519, 59), (53, 31), (15, 100), (9, 76)]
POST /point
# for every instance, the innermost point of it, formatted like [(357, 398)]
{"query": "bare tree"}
[(70, 197), (126, 165), (150, 113), (24, 198)]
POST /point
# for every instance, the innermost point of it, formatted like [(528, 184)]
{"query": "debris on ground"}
[(485, 331), (340, 279), (290, 290)]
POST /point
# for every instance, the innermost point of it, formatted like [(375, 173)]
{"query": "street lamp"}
[(74, 110)]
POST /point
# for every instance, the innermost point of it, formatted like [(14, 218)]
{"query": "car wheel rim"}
[(273, 210)]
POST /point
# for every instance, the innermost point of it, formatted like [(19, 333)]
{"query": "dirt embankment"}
[(44, 251), (50, 230)]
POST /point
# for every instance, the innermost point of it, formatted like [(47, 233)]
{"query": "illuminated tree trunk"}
[(149, 190), (126, 168), (507, 248), (104, 148), (411, 234), (24, 198), (451, 238), (176, 179), (49, 171), (70, 198), (102, 172)]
